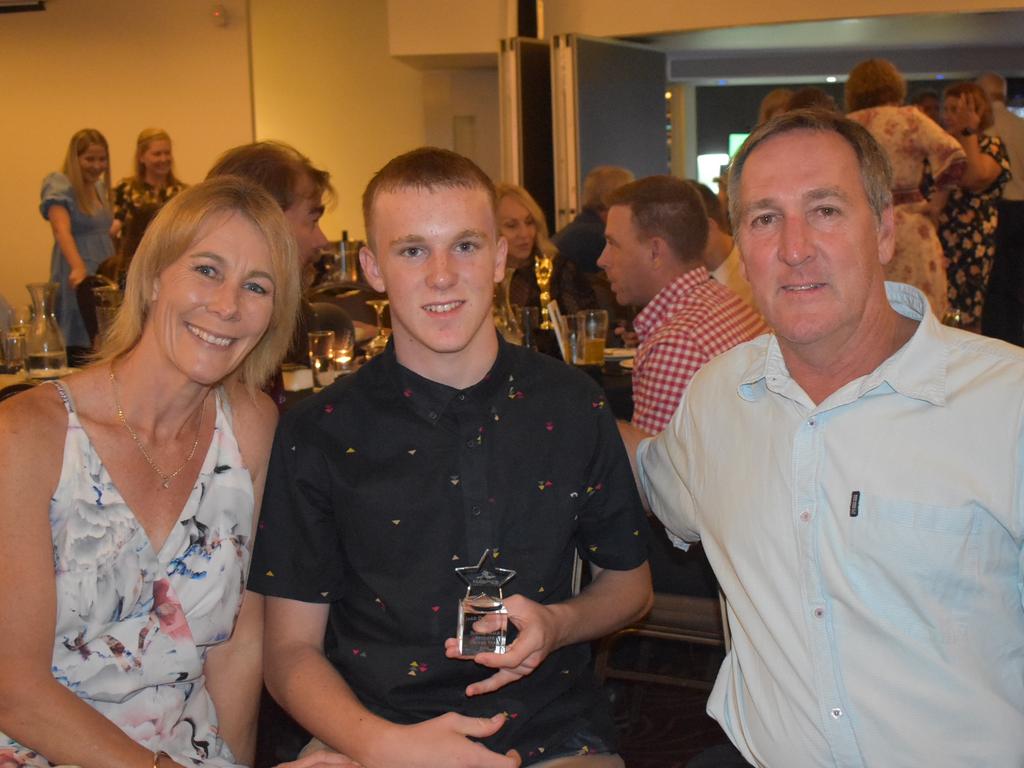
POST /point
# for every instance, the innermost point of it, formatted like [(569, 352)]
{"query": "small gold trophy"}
[(542, 268)]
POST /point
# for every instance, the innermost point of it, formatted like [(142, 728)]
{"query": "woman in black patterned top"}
[(522, 223), (153, 183)]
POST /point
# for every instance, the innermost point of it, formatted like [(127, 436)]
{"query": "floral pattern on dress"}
[(130, 196), (913, 142), (134, 625), (968, 230)]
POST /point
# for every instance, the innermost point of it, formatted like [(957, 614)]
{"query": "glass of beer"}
[(591, 330)]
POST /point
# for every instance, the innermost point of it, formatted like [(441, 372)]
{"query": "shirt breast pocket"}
[(915, 566)]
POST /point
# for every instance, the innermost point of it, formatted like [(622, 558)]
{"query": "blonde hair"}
[(79, 144), (146, 137), (174, 230), (543, 242)]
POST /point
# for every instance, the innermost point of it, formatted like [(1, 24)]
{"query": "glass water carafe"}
[(45, 351)]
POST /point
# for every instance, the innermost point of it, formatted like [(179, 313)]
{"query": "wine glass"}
[(377, 344)]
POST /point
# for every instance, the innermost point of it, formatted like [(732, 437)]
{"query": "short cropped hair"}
[(981, 100), (276, 167), (175, 229), (875, 170), (872, 83), (669, 208), (600, 183), (426, 168)]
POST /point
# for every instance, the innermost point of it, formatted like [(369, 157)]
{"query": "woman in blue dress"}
[(76, 205)]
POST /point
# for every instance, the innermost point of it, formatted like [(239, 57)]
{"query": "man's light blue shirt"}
[(871, 549)]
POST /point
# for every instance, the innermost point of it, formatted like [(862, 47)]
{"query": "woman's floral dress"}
[(134, 625), (913, 142), (968, 232)]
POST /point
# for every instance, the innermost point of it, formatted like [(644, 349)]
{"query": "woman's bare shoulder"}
[(33, 427), (254, 422)]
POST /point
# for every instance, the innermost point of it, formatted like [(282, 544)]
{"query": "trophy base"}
[(483, 625)]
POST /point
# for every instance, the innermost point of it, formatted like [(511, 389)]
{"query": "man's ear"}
[(886, 236), (500, 259), (657, 251), (371, 269)]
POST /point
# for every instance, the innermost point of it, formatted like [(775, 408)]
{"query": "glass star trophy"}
[(483, 618)]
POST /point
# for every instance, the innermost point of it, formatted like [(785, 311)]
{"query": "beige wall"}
[(602, 18), (461, 110), (119, 66), (324, 81)]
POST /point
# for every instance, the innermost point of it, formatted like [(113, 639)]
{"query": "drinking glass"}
[(13, 359), (378, 343), (344, 350), (321, 357), (591, 330), (529, 321)]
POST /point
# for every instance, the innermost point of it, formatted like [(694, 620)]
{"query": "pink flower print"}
[(549, 426), (407, 392), (328, 408), (415, 668), (169, 612), (597, 404), (543, 485)]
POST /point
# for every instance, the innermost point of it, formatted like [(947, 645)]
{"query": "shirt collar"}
[(431, 399), (665, 301), (917, 370)]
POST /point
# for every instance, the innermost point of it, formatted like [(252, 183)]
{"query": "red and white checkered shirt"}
[(689, 321)]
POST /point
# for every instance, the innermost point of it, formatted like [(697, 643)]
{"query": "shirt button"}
[(819, 613), (805, 515), (462, 396), (432, 415), (470, 443), (810, 422), (475, 510), (836, 713)]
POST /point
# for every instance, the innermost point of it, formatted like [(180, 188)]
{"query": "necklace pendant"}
[(166, 483)]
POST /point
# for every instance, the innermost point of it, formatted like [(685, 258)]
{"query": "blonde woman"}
[(153, 182), (522, 223), (129, 500), (74, 201)]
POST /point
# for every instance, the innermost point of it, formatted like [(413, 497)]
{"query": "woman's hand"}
[(78, 274), (965, 117)]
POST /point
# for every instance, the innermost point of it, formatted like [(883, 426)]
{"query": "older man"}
[(582, 239), (856, 480)]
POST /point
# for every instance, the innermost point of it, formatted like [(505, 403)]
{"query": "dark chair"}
[(680, 618), (351, 297), (87, 302)]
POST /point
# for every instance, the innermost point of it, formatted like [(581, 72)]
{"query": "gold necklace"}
[(165, 478)]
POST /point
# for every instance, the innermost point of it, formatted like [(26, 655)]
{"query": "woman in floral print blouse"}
[(153, 182), (967, 225)]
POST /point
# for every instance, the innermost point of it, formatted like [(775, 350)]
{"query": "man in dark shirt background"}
[(449, 445), (582, 239)]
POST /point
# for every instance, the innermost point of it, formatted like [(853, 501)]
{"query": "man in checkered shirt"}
[(656, 232)]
